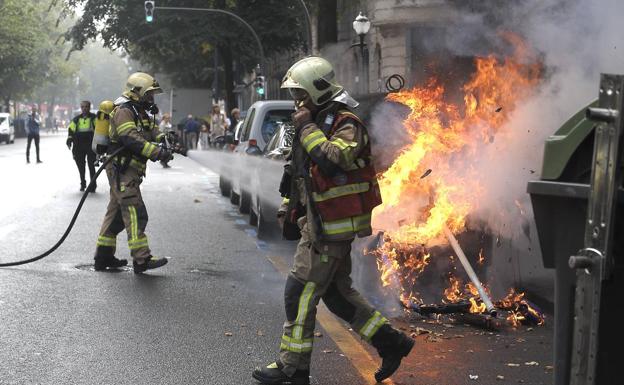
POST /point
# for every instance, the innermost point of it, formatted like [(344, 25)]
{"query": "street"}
[(208, 317)]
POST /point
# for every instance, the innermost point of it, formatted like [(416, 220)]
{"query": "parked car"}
[(261, 122), (265, 198), (231, 140), (7, 128)]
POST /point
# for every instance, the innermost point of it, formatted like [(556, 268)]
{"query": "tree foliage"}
[(182, 44)]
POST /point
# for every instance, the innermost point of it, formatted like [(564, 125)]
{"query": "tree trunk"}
[(327, 30), (228, 65)]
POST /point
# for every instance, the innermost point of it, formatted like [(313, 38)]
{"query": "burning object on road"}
[(451, 137)]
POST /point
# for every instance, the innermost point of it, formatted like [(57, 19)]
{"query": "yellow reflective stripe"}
[(123, 128), (137, 243), (339, 191), (106, 241), (285, 201), (343, 144), (313, 140), (134, 226), (296, 345), (372, 325), (302, 313), (347, 225), (137, 164), (72, 127), (147, 150)]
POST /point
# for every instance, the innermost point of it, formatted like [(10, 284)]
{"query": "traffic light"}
[(260, 85), (149, 11)]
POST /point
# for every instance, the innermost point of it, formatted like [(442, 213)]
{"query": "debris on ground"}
[(500, 378), (511, 364), (196, 200), (473, 377), (532, 363), (260, 333), (426, 173), (318, 334), (328, 351), (228, 334)]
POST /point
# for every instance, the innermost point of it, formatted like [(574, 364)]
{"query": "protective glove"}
[(69, 143), (301, 118), (164, 155)]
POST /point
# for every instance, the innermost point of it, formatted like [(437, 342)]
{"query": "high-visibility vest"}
[(346, 200)]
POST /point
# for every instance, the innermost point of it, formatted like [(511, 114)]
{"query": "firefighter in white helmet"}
[(132, 125), (330, 190)]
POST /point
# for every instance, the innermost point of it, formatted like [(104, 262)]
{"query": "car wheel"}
[(224, 186), (244, 202), (266, 229), (253, 217), (12, 141), (234, 198)]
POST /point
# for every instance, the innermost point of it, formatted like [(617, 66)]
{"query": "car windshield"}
[(272, 120), (2, 119)]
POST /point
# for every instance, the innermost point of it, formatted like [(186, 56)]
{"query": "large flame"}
[(432, 184)]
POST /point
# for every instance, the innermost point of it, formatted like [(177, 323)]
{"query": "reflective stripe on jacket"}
[(137, 135)]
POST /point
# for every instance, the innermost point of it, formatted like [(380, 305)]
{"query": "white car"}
[(7, 129)]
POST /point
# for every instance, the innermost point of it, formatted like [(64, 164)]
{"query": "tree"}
[(22, 50), (183, 44)]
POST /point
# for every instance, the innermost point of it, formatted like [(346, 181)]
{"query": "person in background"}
[(33, 125), (218, 123), (191, 129), (165, 127), (204, 135), (234, 119), (80, 136)]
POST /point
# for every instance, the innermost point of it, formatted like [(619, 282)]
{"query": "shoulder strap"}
[(341, 116)]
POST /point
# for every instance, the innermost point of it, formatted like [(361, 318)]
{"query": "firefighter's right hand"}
[(69, 143), (164, 155)]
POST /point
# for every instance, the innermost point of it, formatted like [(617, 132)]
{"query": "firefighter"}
[(79, 139), (330, 190), (132, 126)]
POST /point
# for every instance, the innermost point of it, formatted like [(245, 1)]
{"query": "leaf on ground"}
[(510, 364), (228, 334)]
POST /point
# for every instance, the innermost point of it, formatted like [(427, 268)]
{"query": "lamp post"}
[(361, 26)]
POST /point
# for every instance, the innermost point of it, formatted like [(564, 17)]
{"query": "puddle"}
[(89, 267)]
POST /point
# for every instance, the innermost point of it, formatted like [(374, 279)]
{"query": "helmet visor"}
[(299, 95)]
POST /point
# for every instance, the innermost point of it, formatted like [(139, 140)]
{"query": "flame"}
[(477, 308), (481, 257), (520, 310), (432, 183)]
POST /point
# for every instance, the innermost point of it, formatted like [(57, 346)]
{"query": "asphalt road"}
[(63, 323), (208, 317)]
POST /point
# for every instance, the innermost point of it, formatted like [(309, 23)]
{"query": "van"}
[(7, 129)]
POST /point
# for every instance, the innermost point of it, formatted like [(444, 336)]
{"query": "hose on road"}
[(73, 220)]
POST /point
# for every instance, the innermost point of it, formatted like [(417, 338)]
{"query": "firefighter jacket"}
[(80, 131), (133, 129), (333, 176)]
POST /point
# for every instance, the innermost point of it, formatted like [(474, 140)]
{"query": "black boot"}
[(102, 264), (273, 375), (392, 346), (150, 263)]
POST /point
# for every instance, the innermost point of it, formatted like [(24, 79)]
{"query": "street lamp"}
[(361, 26)]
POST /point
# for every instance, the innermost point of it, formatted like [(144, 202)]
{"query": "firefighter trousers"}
[(125, 210), (321, 271)]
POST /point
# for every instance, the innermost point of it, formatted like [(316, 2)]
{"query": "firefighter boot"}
[(148, 264), (392, 346), (102, 264), (273, 375)]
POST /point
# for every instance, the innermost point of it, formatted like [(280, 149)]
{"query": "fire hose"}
[(470, 271), (108, 159)]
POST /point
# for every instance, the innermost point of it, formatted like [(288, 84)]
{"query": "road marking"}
[(350, 346)]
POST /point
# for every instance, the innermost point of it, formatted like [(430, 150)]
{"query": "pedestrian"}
[(132, 129), (234, 119), (165, 127), (79, 139), (218, 123), (331, 190), (191, 130), (33, 125), (204, 135)]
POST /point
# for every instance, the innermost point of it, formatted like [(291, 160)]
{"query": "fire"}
[(521, 312), (432, 184)]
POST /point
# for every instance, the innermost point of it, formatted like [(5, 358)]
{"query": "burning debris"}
[(447, 136)]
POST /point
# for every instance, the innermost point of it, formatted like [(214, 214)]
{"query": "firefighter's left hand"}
[(301, 117)]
